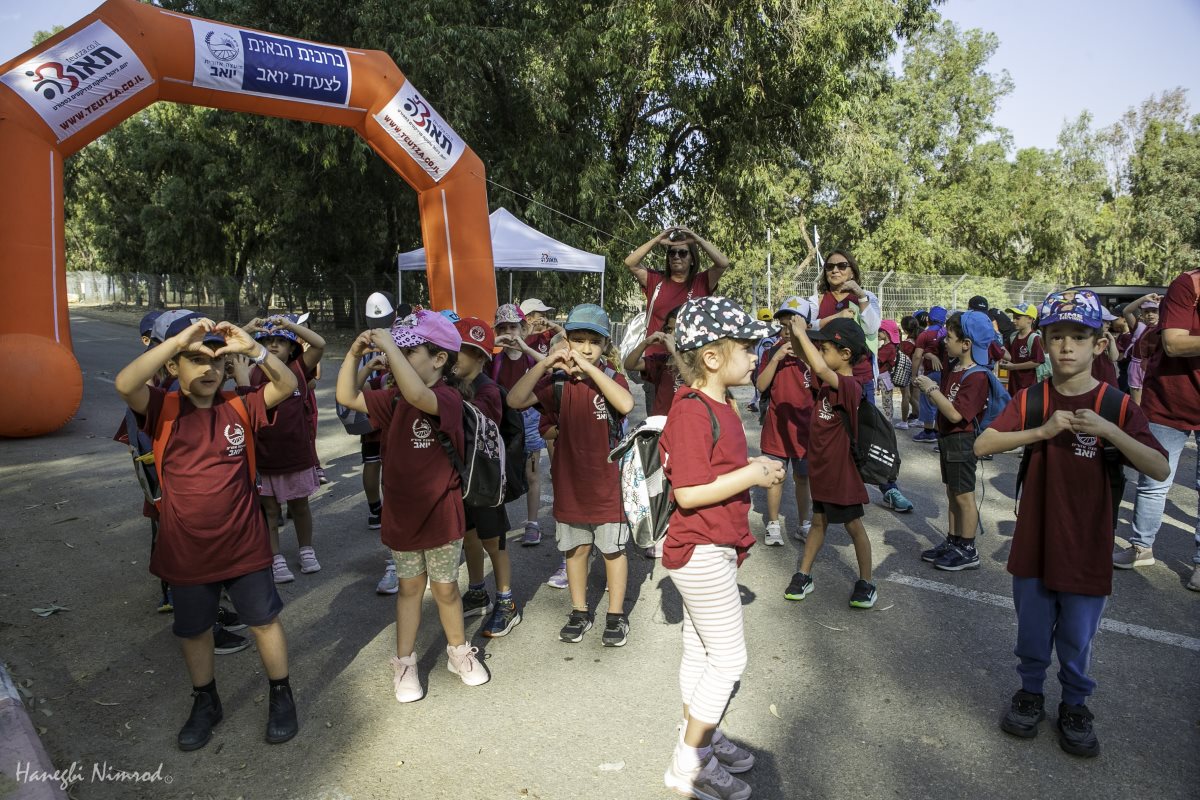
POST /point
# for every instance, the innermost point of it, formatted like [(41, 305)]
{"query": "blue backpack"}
[(997, 400)]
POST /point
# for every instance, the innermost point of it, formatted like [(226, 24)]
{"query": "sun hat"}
[(704, 320), (426, 326), (842, 332), (476, 333), (534, 304), (978, 328), (892, 329), (509, 313), (589, 317), (1078, 305)]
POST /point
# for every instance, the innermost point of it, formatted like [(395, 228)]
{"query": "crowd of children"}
[(411, 373)]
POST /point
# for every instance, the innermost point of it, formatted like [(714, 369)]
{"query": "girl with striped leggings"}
[(703, 448)]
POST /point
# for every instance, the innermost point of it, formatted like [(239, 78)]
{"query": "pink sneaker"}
[(308, 560), (405, 680), (463, 663), (280, 571)]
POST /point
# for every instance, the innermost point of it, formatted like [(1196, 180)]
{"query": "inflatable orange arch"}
[(69, 90)]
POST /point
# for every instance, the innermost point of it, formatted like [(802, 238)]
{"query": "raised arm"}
[(132, 383), (521, 395), (634, 361), (798, 334), (316, 344), (282, 380), (634, 260), (407, 380), (617, 395), (720, 261), (766, 376), (350, 379)]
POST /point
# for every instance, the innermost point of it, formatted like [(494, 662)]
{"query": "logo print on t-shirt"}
[(1085, 446), (422, 434), (601, 406), (826, 412), (236, 436)]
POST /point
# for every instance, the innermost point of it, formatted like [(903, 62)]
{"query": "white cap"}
[(533, 304), (380, 305), (797, 305)]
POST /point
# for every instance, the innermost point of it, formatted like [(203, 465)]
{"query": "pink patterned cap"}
[(508, 313), (426, 326)]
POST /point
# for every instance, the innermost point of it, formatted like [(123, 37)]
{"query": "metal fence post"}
[(954, 293), (1025, 289), (879, 287)]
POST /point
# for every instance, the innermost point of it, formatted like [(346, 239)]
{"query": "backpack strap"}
[(239, 406), (1032, 402), (713, 422), (165, 424), (1113, 405)]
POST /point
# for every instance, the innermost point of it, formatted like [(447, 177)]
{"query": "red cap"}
[(477, 333)]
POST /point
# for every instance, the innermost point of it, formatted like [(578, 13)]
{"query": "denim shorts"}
[(253, 594), (533, 439)]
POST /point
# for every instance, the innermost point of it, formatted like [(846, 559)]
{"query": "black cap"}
[(842, 332), (977, 303)]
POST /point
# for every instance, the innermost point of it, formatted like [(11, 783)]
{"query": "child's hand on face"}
[(191, 339), (783, 351), (1087, 421), (576, 363), (508, 341), (1059, 422), (556, 359)]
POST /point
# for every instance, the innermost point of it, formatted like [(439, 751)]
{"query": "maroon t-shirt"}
[(422, 493), (995, 353), (968, 397), (1064, 532), (287, 445), (830, 305), (1022, 349), (1103, 369), (908, 347), (587, 488), (541, 341), (886, 358), (831, 471), (690, 458), (507, 371), (1171, 390), (210, 525), (670, 297), (487, 398), (1149, 343), (931, 342), (665, 378), (785, 431)]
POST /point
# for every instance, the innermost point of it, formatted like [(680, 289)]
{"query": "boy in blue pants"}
[(1061, 558)]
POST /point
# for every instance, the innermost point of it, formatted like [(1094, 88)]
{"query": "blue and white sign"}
[(247, 62)]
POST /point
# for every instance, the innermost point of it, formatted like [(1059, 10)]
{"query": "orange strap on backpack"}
[(166, 422)]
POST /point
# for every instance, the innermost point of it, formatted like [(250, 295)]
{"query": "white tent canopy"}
[(519, 248)]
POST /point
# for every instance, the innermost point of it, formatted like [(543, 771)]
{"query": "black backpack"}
[(1112, 404), (482, 467), (512, 433), (874, 449)]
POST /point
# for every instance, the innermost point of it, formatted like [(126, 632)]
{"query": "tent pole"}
[(601, 289), (510, 286)]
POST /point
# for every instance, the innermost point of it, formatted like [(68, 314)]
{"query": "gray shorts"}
[(608, 537), (799, 465)]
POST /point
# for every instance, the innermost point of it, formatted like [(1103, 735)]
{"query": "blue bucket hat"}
[(1080, 306), (588, 317), (704, 320), (937, 314), (272, 331), (977, 327)]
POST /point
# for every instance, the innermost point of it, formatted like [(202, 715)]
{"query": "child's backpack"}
[(1111, 404), (166, 423), (512, 433), (483, 469), (997, 400), (141, 448), (616, 423), (902, 372), (875, 451), (1043, 371), (356, 423), (645, 490), (635, 333)]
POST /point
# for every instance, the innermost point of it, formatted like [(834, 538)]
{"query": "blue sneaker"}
[(896, 501), (925, 435)]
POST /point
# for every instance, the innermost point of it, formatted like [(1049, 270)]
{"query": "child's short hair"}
[(954, 325), (690, 363)]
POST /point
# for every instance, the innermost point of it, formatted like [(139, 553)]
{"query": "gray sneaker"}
[(1133, 556), (710, 782), (1194, 581)]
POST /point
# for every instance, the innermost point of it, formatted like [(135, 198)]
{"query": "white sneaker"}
[(464, 664), (389, 583), (710, 782), (280, 571), (901, 425), (308, 560), (801, 533), (774, 533), (405, 679)]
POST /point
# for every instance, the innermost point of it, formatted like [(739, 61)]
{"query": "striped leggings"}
[(714, 643)]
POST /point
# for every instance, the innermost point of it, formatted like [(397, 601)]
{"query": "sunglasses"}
[(830, 266), (678, 252)]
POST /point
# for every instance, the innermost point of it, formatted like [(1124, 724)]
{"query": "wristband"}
[(261, 357)]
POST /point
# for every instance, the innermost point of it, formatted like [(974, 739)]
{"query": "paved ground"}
[(900, 701)]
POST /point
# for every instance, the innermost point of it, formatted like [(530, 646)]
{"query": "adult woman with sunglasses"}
[(680, 280), (840, 295)]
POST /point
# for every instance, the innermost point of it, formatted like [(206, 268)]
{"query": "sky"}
[(1064, 56)]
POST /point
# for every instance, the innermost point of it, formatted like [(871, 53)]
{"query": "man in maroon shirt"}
[(1171, 400)]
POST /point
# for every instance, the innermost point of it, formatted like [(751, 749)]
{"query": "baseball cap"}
[(892, 329), (704, 320), (162, 324), (765, 315), (589, 317), (533, 304), (272, 331), (380, 305), (1080, 306), (1106, 315), (843, 333), (426, 326), (937, 314), (476, 333), (181, 323), (146, 327), (977, 303), (796, 305), (450, 314), (1027, 310), (978, 328), (509, 313), (1150, 305)]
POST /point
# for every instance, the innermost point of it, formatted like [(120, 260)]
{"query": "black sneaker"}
[(616, 631), (476, 603), (225, 642), (281, 715), (864, 594), (1075, 734), (579, 623), (505, 617), (958, 558), (1024, 714), (800, 587), (934, 553), (375, 521), (228, 619), (206, 714)]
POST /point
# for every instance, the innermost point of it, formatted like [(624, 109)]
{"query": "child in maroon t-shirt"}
[(212, 536), (287, 456), (838, 492), (423, 516), (658, 368), (909, 395), (1061, 557), (584, 395), (1025, 351), (709, 536)]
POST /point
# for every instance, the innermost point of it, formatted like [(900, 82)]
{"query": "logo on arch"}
[(223, 46), (421, 132)]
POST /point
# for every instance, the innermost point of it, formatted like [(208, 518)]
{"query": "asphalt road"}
[(899, 701)]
